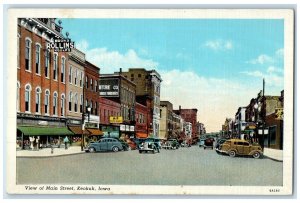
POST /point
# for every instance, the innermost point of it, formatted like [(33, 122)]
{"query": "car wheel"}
[(92, 150), (115, 149), (232, 153), (218, 152), (256, 155), (140, 151)]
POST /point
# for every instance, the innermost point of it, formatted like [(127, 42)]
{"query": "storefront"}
[(127, 131), (32, 137), (110, 130)]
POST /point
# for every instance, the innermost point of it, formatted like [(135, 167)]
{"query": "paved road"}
[(185, 166)]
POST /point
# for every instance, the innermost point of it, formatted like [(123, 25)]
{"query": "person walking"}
[(66, 140)]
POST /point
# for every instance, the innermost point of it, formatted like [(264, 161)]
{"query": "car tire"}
[(232, 153), (92, 149), (256, 155), (115, 149)]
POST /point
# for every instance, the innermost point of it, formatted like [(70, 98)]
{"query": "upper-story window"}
[(62, 105), (63, 69), (70, 74), (76, 103), (76, 76), (18, 96), (47, 63), (81, 103), (37, 59), (27, 97), (55, 67), (28, 54), (18, 50), (81, 79), (47, 99), (86, 82), (70, 101), (96, 86), (38, 100), (55, 103), (92, 84)]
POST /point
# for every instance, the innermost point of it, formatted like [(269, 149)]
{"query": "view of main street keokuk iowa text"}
[(150, 101)]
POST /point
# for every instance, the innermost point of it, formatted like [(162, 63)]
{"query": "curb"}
[(273, 159), (49, 156)]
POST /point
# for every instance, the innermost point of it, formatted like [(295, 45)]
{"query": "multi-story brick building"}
[(190, 115), (141, 120), (108, 108), (166, 127), (74, 87), (121, 90), (41, 75), (148, 88), (91, 94)]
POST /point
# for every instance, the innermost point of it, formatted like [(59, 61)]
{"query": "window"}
[(139, 75), (92, 84), (70, 74), (86, 82), (55, 103), (81, 103), (81, 78), (37, 100), (37, 59), (62, 105), (76, 103), (63, 69), (27, 98), (27, 54), (70, 101), (47, 98), (47, 63), (96, 108), (76, 75), (91, 105), (18, 96), (96, 86), (55, 67)]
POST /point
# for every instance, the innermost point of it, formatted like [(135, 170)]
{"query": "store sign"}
[(109, 87), (122, 127), (127, 128), (131, 128), (116, 119), (61, 45)]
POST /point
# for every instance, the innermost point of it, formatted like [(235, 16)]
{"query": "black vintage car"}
[(209, 142)]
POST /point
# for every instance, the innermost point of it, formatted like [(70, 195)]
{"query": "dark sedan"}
[(107, 144)]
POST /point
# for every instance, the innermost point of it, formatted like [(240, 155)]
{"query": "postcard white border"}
[(286, 14)]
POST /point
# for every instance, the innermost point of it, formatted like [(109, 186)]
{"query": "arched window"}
[(96, 86), (55, 103), (47, 63), (27, 97), (38, 100), (63, 69), (55, 67), (76, 75), (18, 96), (92, 107), (76, 103), (70, 74), (81, 102), (37, 59), (96, 108), (27, 54), (62, 105), (46, 102), (86, 82), (70, 101)]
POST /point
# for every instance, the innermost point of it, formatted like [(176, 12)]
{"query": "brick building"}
[(141, 115), (41, 78), (108, 108), (147, 91)]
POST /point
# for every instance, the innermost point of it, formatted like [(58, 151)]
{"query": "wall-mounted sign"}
[(116, 119), (109, 87), (122, 127), (61, 45)]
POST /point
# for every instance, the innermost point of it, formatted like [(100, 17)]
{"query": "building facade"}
[(141, 120), (74, 87), (190, 115), (166, 120), (147, 86)]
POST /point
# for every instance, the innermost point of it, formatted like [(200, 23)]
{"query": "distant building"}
[(141, 130), (166, 123), (147, 89)]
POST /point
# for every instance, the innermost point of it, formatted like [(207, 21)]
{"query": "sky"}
[(214, 65)]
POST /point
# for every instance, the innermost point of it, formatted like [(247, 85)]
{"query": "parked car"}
[(209, 142), (139, 141), (107, 144), (156, 141), (234, 147), (148, 146), (174, 143), (219, 142), (201, 142), (131, 144)]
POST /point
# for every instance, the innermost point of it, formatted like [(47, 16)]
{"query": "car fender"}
[(231, 149), (255, 150)]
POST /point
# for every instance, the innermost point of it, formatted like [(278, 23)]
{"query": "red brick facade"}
[(108, 108), (36, 80), (190, 115), (141, 118)]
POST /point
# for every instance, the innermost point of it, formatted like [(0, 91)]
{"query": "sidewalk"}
[(46, 152), (273, 154)]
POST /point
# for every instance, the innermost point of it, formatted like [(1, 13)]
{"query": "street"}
[(185, 166)]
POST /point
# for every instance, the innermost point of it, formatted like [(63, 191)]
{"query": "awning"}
[(94, 131), (141, 135), (77, 130), (41, 131)]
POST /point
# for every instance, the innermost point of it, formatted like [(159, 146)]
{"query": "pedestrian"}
[(66, 140)]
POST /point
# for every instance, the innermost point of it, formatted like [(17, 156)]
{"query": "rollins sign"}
[(61, 45)]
